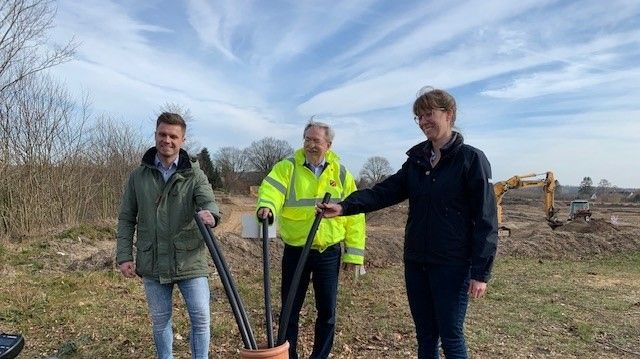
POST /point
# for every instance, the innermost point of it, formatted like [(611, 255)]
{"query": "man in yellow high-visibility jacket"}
[(290, 192)]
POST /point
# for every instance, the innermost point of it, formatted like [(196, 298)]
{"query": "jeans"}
[(438, 298), (323, 270), (196, 294)]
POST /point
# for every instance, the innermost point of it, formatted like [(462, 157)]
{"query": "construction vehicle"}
[(579, 209), (548, 185)]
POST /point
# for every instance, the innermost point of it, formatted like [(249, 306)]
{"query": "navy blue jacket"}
[(452, 209)]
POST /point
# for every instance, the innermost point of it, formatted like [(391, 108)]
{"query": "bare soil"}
[(530, 236)]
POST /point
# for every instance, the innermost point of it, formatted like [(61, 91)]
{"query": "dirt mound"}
[(394, 216), (531, 236), (575, 240), (93, 247), (593, 226)]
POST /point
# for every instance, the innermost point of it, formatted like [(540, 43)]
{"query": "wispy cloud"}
[(216, 27), (569, 79), (536, 78)]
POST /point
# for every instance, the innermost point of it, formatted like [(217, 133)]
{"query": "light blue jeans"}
[(160, 300)]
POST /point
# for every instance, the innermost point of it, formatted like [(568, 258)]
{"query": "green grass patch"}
[(533, 308), (87, 231)]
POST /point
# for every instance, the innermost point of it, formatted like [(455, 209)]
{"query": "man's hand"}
[(349, 267), (264, 212), (477, 289), (128, 269), (207, 218), (330, 209), (354, 271)]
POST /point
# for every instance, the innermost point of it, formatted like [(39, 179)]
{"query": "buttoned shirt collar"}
[(317, 169), (166, 172)]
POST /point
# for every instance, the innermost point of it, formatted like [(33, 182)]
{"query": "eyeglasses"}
[(314, 141), (427, 114)]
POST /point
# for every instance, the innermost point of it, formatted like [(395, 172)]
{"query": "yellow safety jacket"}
[(291, 191)]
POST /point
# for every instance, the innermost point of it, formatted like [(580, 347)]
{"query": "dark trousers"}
[(323, 270), (438, 298)]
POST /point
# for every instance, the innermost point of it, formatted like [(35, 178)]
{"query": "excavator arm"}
[(548, 185)]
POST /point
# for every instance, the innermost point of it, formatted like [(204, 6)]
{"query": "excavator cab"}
[(579, 209)]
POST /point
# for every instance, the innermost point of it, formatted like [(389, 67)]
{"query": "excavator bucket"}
[(554, 223)]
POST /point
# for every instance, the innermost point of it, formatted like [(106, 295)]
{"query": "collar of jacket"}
[(184, 161), (330, 157), (423, 149)]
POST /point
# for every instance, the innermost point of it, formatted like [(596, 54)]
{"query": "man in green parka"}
[(158, 204)]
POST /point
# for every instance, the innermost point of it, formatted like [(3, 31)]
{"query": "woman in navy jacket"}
[(451, 230)]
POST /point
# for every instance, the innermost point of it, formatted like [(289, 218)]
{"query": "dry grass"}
[(534, 309)]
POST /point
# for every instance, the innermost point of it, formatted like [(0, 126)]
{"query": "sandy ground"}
[(613, 228), (530, 235)]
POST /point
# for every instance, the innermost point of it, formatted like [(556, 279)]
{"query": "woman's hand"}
[(329, 210), (477, 289)]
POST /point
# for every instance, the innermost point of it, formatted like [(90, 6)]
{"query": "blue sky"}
[(541, 85)]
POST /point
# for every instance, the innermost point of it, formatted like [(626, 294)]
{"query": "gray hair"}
[(328, 131)]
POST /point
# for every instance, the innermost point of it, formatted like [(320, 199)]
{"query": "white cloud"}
[(438, 29), (464, 64), (215, 26), (570, 79), (540, 84), (577, 146), (128, 62)]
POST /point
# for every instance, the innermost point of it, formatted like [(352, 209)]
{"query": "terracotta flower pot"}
[(279, 352)]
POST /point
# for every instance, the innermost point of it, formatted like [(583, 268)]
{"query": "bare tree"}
[(23, 40), (114, 143), (32, 120), (231, 162), (586, 187), (114, 150), (374, 171), (604, 185), (44, 140), (265, 153), (605, 190)]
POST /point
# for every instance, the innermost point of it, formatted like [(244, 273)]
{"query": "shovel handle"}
[(230, 289), (266, 284), (295, 281)]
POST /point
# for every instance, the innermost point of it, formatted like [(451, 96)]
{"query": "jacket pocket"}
[(189, 252), (145, 257)]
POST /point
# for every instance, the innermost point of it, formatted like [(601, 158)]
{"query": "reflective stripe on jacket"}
[(291, 191)]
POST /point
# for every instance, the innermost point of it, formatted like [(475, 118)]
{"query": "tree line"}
[(604, 191)]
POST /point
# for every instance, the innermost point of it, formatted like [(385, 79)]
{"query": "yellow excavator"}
[(548, 185)]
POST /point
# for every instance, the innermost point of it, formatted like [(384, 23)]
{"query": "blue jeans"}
[(196, 296), (323, 269), (438, 298)]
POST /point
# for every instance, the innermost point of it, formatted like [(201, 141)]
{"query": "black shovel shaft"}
[(295, 281), (267, 285), (229, 286)]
